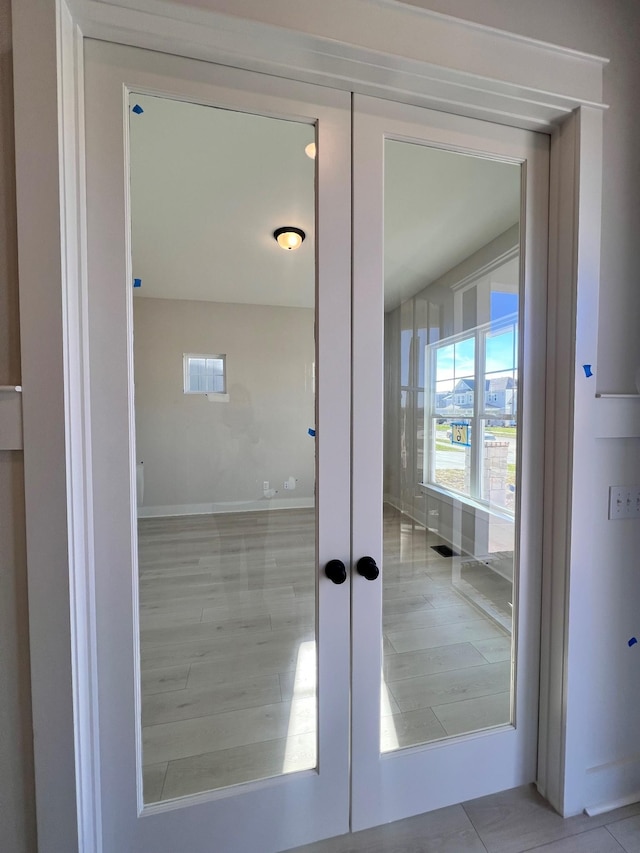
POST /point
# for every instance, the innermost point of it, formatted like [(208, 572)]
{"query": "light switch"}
[(624, 502)]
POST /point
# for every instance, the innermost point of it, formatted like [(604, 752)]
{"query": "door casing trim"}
[(504, 78)]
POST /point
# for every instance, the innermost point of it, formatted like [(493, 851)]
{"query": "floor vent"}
[(444, 551)]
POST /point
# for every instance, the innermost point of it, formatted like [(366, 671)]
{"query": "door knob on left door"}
[(335, 570), (367, 568)]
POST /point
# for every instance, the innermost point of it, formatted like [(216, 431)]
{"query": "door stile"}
[(367, 487), (333, 409)]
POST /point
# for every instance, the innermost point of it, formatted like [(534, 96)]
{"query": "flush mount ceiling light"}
[(310, 150), (289, 237)]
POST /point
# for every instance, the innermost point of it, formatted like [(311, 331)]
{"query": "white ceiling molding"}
[(404, 53), (492, 265)]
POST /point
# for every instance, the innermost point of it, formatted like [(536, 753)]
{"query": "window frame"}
[(223, 395), (479, 413)]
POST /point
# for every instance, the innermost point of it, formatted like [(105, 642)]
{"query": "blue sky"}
[(455, 361)]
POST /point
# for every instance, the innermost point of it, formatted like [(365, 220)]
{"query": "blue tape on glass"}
[(632, 642), (137, 282), (587, 370), (311, 432), (137, 109)]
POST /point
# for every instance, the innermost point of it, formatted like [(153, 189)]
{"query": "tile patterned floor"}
[(227, 608), (510, 822)]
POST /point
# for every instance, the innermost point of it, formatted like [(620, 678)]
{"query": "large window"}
[(472, 412)]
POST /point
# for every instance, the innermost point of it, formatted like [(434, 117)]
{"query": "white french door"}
[(451, 724), (241, 646), (247, 701)]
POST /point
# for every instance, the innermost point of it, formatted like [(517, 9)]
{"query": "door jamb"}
[(47, 40)]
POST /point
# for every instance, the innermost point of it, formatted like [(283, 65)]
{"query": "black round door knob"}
[(367, 568), (335, 570)]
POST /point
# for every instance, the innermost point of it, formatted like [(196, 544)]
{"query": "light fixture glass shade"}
[(289, 237), (310, 150)]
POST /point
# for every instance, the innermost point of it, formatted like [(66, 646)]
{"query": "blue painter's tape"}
[(137, 109), (312, 432), (587, 370), (137, 282), (632, 642)]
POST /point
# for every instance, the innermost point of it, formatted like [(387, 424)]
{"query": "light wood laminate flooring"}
[(227, 606)]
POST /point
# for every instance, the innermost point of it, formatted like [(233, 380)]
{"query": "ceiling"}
[(209, 187), (439, 208)]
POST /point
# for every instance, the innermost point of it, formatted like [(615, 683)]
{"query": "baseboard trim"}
[(612, 785), (262, 505), (593, 811)]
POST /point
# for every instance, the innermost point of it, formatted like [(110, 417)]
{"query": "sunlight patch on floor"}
[(388, 734), (300, 750)]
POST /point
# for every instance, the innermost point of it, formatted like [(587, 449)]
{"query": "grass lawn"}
[(455, 479)]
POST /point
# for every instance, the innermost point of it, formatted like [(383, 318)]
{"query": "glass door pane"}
[(224, 369), (451, 285)]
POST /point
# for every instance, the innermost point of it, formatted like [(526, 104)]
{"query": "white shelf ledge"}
[(617, 416), (618, 396)]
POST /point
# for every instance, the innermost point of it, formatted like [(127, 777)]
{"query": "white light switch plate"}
[(624, 502)]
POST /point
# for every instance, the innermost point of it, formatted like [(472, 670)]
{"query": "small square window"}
[(205, 374)]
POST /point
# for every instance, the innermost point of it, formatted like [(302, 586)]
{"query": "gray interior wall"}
[(17, 818), (197, 452), (440, 292)]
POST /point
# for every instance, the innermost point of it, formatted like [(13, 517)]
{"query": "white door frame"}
[(374, 47)]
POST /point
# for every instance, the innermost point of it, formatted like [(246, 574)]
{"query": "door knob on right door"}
[(367, 568)]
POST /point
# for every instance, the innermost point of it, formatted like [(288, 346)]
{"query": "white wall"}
[(201, 456)]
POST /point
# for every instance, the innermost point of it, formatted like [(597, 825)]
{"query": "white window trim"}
[(219, 396)]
